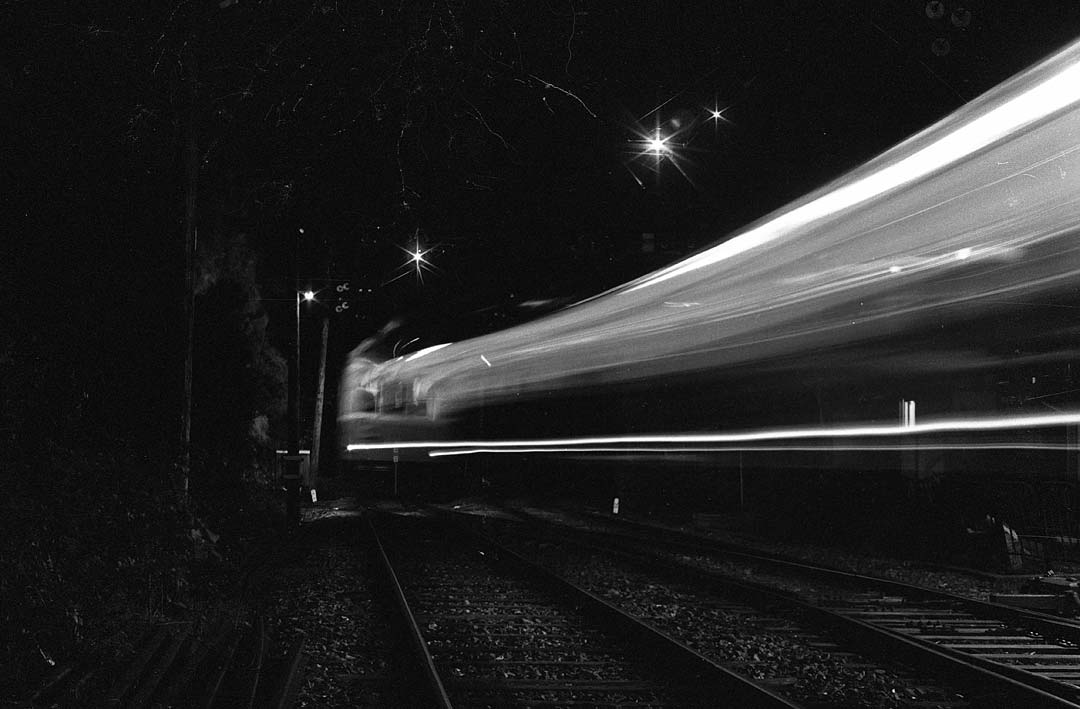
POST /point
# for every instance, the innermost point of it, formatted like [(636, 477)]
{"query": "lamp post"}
[(291, 476), (316, 427), (293, 459)]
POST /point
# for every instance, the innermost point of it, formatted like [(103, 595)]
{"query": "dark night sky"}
[(501, 135)]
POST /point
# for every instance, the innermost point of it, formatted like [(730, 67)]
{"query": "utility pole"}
[(191, 236), (316, 434)]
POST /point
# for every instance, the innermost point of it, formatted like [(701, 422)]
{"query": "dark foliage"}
[(97, 543), (239, 378)]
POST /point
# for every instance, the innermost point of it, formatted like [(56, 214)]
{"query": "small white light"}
[(309, 295), (963, 253), (895, 269), (657, 145)]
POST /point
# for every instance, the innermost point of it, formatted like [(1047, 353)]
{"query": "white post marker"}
[(395, 471), (615, 506), (314, 497)]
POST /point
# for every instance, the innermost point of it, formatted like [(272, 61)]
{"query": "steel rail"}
[(682, 540), (1029, 688), (740, 690), (435, 687), (286, 693)]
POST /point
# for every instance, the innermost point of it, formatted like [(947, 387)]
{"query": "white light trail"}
[(942, 426), (427, 350), (1010, 445)]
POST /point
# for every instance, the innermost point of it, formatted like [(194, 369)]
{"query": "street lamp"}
[(291, 476), (417, 263), (293, 459), (657, 146)]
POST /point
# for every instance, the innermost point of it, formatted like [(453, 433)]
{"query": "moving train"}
[(944, 272)]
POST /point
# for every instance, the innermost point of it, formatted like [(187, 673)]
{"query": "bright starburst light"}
[(653, 147), (657, 145), (417, 263), (716, 114)]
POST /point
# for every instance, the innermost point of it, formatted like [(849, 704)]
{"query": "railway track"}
[(252, 653), (237, 666), (1028, 656), (322, 591), (176, 664), (489, 628), (772, 642)]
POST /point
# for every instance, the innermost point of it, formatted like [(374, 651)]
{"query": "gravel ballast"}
[(802, 664)]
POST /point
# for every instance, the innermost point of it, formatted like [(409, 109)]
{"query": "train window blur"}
[(394, 400), (363, 400)]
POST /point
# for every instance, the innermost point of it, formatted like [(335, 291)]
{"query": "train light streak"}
[(427, 351), (1045, 98), (824, 447), (485, 360), (967, 425)]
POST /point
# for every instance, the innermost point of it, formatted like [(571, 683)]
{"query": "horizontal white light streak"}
[(942, 426), (1043, 99), (823, 448), (427, 350)]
